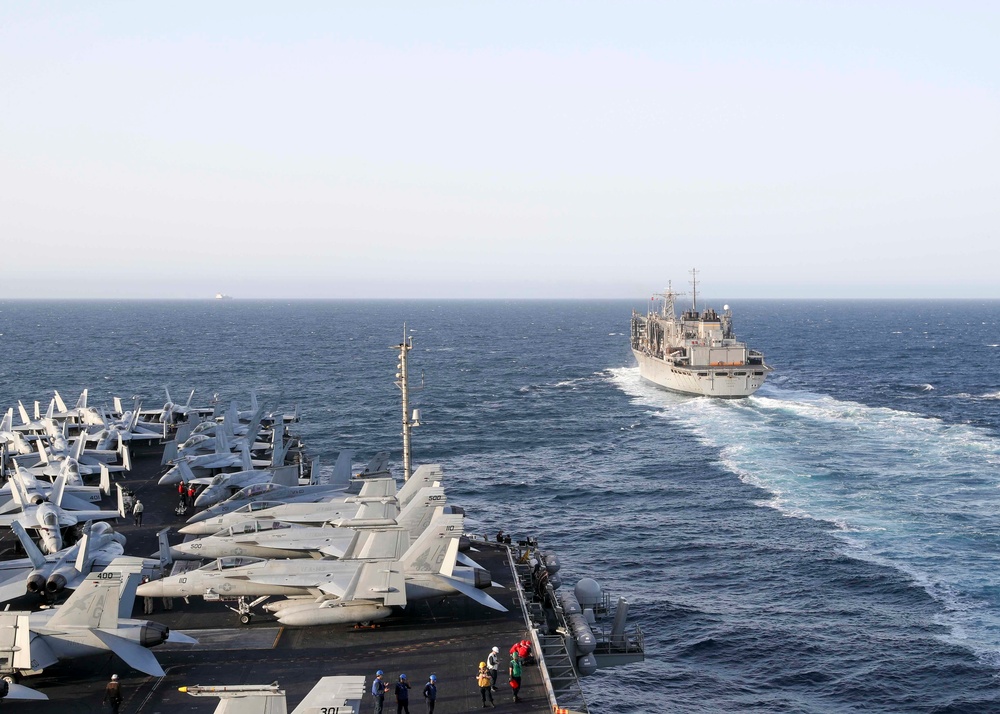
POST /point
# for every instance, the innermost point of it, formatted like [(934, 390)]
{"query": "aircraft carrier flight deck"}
[(447, 638)]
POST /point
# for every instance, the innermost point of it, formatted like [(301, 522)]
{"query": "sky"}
[(499, 149)]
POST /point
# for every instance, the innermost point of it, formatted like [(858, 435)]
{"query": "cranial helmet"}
[(402, 676), (114, 677), (434, 678), (496, 649), (379, 673), (482, 664)]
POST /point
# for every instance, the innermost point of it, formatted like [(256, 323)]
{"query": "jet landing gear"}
[(243, 608)]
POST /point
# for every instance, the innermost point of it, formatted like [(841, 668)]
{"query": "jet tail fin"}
[(94, 604), (60, 404), (122, 510), (379, 464), (418, 514), (169, 452), (105, 479), (83, 551), (165, 557), (436, 549), (425, 475), (34, 554), (58, 488), (342, 469), (23, 412)]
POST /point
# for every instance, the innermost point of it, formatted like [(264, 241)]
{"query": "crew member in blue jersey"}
[(402, 695), (431, 693), (379, 688)]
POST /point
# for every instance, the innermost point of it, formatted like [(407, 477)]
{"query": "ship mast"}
[(402, 381), (694, 290)]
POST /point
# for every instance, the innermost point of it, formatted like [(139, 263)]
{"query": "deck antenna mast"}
[(668, 310), (410, 421), (694, 290)]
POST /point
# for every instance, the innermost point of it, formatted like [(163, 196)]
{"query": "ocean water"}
[(831, 544)]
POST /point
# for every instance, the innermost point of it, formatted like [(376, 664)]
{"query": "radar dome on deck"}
[(588, 592)]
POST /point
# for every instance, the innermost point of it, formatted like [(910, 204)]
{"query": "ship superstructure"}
[(696, 353)]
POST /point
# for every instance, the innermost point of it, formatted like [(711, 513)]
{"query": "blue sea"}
[(831, 544)]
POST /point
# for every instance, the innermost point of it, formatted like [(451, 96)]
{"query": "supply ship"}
[(697, 353)]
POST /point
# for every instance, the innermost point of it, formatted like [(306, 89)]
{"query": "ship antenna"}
[(694, 289), (402, 382)]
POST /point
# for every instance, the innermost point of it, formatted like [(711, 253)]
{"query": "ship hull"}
[(731, 383)]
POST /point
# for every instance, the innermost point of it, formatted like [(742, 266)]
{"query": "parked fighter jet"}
[(172, 413), (88, 623), (338, 538), (127, 429), (89, 461), (222, 486), (11, 440), (76, 495), (182, 470), (80, 414), (48, 517), (336, 695), (40, 574), (345, 591), (268, 496), (38, 424)]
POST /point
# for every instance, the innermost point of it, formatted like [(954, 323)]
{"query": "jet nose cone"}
[(154, 588), (170, 477), (187, 530)]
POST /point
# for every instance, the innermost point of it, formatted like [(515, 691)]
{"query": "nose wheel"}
[(244, 608)]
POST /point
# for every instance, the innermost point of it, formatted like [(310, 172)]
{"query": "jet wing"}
[(382, 581), (134, 655), (14, 582), (40, 654), (388, 544), (332, 583), (19, 691), (333, 694), (470, 590), (328, 540)]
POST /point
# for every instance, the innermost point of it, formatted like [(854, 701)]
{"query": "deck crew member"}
[(379, 688)]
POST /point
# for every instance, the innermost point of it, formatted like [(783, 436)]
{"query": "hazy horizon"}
[(492, 150)]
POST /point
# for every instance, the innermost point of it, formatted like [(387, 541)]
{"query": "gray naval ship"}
[(697, 353)]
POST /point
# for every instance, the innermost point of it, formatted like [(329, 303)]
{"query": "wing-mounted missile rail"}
[(576, 631)]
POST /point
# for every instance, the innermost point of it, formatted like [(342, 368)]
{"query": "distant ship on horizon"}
[(223, 296), (697, 353)]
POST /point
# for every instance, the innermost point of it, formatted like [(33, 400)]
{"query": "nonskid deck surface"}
[(447, 638)]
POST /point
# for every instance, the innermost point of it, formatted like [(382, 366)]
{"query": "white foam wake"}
[(904, 490)]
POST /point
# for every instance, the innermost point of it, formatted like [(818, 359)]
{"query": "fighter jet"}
[(11, 440), (222, 458), (331, 694), (127, 429), (255, 499), (48, 518), (76, 495), (48, 575), (88, 623), (340, 538), (89, 461), (204, 437), (343, 591), (80, 414)]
